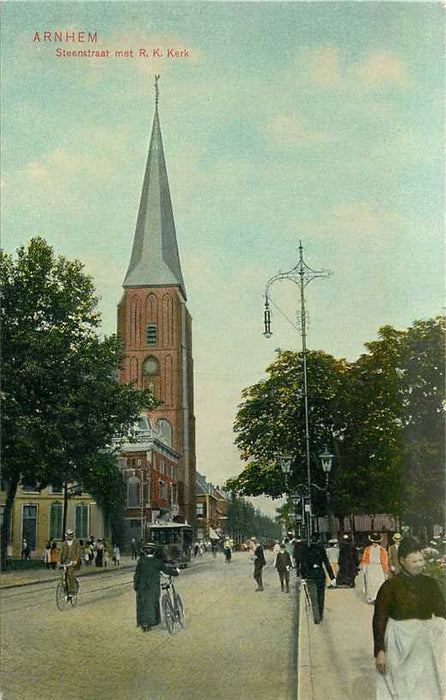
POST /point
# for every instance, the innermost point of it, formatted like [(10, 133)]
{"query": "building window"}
[(29, 525), (132, 492), (165, 431), (81, 527), (150, 366), (56, 514), (161, 468), (30, 486), (162, 487), (151, 334), (200, 510)]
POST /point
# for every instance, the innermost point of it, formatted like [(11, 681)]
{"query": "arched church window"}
[(132, 492), (165, 430)]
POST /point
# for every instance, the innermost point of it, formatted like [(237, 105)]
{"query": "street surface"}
[(237, 644)]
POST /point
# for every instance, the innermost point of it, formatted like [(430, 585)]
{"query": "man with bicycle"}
[(70, 553)]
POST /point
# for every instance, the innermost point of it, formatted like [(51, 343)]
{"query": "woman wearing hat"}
[(348, 563), (409, 632), (393, 554), (375, 567), (146, 583)]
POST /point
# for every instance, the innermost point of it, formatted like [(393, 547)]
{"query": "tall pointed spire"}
[(155, 260)]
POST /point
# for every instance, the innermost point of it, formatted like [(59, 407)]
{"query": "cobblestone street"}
[(236, 645)]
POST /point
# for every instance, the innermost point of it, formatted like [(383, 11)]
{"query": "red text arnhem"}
[(59, 35)]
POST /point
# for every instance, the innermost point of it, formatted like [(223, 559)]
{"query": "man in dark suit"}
[(313, 559), (146, 583)]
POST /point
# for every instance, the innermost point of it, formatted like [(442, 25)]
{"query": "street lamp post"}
[(326, 461), (301, 274)]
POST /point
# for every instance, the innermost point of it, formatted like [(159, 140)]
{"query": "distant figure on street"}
[(297, 550), (259, 563), (375, 567), (276, 550), (99, 561), (227, 549), (313, 560), (54, 555), (348, 563), (409, 630), (134, 548), (333, 556), (283, 565), (116, 555), (146, 583), (70, 553), (394, 563), (26, 550), (214, 547), (289, 546), (47, 554)]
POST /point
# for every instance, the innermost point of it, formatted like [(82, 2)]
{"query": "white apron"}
[(374, 575), (416, 658)]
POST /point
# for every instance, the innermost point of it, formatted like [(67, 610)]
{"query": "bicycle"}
[(172, 606), (311, 601), (64, 599)]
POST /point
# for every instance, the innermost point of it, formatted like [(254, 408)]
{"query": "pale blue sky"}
[(319, 121)]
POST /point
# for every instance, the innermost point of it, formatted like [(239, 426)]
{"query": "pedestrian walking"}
[(54, 555), (99, 550), (146, 583), (313, 560), (348, 563), (289, 546), (116, 555), (394, 563), (375, 567), (333, 557), (283, 565), (297, 554), (106, 557), (47, 555), (134, 549), (409, 630), (259, 563), (276, 550), (227, 549)]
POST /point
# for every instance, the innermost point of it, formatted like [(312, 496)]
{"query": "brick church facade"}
[(156, 328)]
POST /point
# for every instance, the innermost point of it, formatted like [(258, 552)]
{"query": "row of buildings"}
[(158, 469)]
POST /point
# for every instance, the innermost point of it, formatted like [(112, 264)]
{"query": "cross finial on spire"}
[(157, 92)]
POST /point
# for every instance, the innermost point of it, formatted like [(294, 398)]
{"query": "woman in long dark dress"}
[(409, 632), (146, 583)]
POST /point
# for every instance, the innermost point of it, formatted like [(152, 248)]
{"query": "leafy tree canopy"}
[(61, 403)]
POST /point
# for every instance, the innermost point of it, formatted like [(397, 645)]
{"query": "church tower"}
[(154, 323)]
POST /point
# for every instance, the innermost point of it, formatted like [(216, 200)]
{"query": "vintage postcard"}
[(190, 155)]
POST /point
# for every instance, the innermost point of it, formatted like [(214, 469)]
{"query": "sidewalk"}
[(335, 658)]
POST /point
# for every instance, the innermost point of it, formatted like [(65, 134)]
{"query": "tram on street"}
[(175, 538)]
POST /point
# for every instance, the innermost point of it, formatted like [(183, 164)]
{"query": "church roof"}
[(155, 260)]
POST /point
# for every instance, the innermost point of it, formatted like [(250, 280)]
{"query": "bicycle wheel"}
[(61, 596), (179, 610), (168, 613)]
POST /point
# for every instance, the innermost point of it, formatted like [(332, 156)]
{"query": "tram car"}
[(175, 539)]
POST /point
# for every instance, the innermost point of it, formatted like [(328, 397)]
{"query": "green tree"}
[(422, 374), (271, 421), (61, 403)]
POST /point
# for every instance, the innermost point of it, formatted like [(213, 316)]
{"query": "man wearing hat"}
[(146, 583), (394, 562), (375, 566), (70, 552), (333, 557)]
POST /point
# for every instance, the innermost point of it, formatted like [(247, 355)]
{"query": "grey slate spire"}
[(155, 260)]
